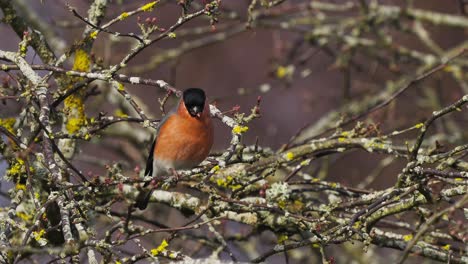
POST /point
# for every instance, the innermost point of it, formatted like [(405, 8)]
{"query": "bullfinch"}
[(183, 139)]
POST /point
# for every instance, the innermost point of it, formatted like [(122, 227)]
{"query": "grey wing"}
[(149, 161)]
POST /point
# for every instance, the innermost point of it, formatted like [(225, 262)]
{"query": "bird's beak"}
[(196, 111)]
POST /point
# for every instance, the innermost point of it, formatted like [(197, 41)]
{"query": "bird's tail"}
[(142, 199)]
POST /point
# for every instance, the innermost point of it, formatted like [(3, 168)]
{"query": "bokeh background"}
[(244, 66)]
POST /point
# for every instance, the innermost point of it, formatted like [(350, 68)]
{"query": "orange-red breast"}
[(183, 139)]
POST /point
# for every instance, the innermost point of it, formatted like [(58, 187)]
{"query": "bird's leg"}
[(175, 174), (154, 183)]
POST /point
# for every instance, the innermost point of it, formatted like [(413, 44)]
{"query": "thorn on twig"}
[(163, 101)]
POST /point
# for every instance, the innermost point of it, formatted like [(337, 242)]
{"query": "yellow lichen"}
[(74, 105), (236, 187), (162, 247), (120, 113), (149, 6), (8, 124), (93, 34), (123, 16), (281, 72), (172, 35), (20, 186), (74, 124), (16, 168), (120, 87), (23, 216), (74, 109), (239, 129), (215, 169), (38, 235), (221, 182), (289, 156), (226, 182), (282, 238), (282, 204), (23, 50), (357, 225), (419, 125), (82, 61), (445, 217), (407, 237), (284, 71)]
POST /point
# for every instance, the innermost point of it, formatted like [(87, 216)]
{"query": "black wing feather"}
[(149, 161)]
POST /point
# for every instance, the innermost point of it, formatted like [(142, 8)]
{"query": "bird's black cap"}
[(194, 100)]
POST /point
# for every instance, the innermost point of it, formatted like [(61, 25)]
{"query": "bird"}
[(184, 138)]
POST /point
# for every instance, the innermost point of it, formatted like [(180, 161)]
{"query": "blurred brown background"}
[(234, 71)]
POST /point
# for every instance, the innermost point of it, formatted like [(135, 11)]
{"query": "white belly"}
[(163, 167)]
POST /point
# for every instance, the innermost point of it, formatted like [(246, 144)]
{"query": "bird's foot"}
[(176, 175)]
